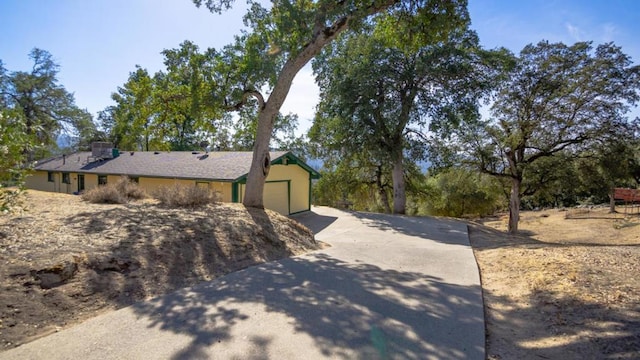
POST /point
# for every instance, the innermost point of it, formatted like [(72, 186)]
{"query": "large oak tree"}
[(379, 95), (557, 99), (282, 39)]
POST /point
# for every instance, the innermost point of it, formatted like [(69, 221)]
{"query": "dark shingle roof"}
[(174, 164)]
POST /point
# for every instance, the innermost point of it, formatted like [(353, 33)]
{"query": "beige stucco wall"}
[(38, 181), (152, 184), (90, 181)]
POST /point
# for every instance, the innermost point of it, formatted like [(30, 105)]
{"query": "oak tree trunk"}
[(384, 198), (612, 200), (261, 161), (514, 205), (399, 192)]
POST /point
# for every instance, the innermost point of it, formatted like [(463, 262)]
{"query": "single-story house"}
[(287, 189)]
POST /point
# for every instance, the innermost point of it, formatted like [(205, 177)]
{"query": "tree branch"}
[(245, 98)]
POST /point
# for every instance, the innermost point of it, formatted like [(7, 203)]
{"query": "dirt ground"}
[(567, 287), (63, 260)]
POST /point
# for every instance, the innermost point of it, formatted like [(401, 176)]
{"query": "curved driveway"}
[(389, 287)]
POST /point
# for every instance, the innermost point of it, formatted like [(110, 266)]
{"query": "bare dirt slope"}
[(64, 260), (567, 287)]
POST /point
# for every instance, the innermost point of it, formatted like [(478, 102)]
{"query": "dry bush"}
[(130, 189), (121, 192), (178, 195), (105, 194)]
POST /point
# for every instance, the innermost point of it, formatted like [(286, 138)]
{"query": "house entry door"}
[(80, 183)]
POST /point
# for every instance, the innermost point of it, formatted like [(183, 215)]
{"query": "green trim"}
[(234, 192), (310, 193)]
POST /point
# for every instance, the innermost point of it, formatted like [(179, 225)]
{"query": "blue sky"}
[(98, 42)]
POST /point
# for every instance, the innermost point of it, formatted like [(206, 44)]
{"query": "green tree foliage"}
[(14, 146), (557, 98), (552, 181), (46, 108), (185, 105), (281, 40), (284, 127), (461, 192), (171, 110), (359, 179), (130, 121), (612, 162), (186, 110), (380, 96), (34, 110)]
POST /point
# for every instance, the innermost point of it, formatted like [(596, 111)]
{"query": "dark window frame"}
[(66, 178), (51, 176), (102, 179)]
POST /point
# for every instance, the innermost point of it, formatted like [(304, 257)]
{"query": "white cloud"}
[(609, 32), (574, 31)]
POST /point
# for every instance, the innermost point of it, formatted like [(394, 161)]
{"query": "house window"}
[(135, 180), (66, 179), (50, 177), (102, 179)]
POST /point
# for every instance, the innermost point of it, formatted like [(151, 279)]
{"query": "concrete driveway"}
[(389, 288)]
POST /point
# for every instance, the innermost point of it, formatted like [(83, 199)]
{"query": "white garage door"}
[(276, 196)]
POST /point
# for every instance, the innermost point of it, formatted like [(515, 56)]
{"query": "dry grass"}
[(562, 288), (63, 260)]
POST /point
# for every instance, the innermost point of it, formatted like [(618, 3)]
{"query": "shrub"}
[(130, 189), (179, 195), (461, 192), (105, 194), (121, 192)]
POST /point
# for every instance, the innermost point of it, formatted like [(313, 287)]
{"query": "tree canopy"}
[(380, 96), (45, 106), (557, 99), (282, 39), (184, 106), (34, 110)]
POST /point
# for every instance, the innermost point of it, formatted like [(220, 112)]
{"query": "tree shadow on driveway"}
[(349, 310), (314, 221)]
